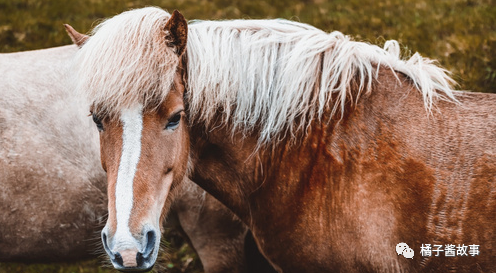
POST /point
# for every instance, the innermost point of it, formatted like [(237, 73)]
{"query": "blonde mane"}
[(274, 75), (126, 61), (266, 73)]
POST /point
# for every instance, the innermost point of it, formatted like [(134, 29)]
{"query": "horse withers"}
[(332, 151), (53, 187)]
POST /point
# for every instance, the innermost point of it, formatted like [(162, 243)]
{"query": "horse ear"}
[(176, 30), (76, 37)]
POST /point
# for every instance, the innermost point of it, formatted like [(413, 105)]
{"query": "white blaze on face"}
[(132, 126)]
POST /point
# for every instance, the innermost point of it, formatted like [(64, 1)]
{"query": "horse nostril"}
[(139, 259), (105, 245), (142, 258), (150, 243), (118, 259)]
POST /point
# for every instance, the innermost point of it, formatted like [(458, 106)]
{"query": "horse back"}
[(386, 171), (438, 169)]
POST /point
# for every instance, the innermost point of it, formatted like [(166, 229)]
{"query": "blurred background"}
[(460, 34)]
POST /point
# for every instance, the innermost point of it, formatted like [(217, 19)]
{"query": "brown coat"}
[(53, 200), (347, 192)]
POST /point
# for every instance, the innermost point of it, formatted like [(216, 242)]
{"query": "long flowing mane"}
[(279, 74), (275, 75)]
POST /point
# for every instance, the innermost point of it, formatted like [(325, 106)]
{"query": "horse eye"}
[(98, 123), (173, 122)]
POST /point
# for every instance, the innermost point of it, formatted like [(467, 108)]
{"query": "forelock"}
[(126, 61)]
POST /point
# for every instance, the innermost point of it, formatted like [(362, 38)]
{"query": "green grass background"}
[(460, 34)]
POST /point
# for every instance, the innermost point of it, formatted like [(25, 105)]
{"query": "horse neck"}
[(290, 172), (225, 166), (243, 176)]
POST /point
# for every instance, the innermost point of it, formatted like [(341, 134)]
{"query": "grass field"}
[(460, 34)]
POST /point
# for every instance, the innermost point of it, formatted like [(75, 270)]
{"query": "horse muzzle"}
[(130, 254)]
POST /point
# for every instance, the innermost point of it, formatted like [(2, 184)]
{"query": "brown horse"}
[(53, 190), (332, 151)]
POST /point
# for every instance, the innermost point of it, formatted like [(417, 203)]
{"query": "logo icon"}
[(405, 250)]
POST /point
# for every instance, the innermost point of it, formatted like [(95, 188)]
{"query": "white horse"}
[(52, 187)]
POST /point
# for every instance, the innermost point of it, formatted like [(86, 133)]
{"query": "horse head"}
[(131, 71)]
